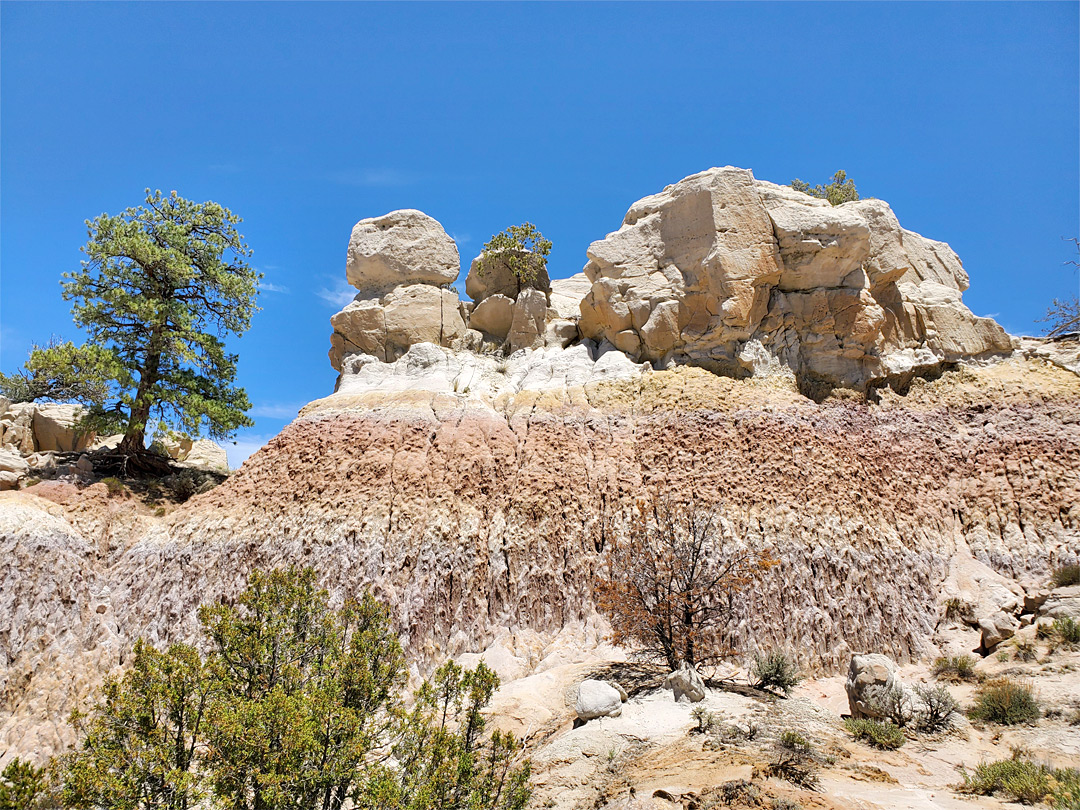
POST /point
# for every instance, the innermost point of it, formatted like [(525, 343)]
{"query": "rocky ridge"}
[(472, 477)]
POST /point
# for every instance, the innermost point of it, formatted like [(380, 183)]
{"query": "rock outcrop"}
[(870, 679), (748, 278), (597, 699), (402, 264)]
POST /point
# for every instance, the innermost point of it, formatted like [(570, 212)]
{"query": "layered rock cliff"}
[(475, 491)]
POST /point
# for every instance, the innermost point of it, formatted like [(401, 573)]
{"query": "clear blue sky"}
[(304, 118)]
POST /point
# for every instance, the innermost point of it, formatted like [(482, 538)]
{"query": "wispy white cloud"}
[(244, 446), (277, 410), (274, 288), (339, 293), (373, 178), (462, 238)]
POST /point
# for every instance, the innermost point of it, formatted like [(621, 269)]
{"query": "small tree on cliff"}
[(1063, 315), (524, 250), (840, 190), (162, 285), (668, 586)]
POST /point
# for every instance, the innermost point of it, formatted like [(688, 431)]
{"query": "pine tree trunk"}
[(134, 440)]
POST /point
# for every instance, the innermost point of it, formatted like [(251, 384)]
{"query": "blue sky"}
[(304, 118)]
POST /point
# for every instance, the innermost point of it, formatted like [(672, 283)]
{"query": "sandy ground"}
[(652, 756)]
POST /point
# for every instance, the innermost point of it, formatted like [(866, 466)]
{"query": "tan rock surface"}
[(400, 248), (747, 277)]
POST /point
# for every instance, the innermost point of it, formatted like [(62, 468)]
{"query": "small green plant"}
[(1002, 656), (522, 248), (114, 485), (796, 760), (1044, 632), (955, 668), (1021, 780), (1025, 650), (24, 787), (1066, 575), (775, 670), (884, 735), (957, 610), (781, 803), (937, 707), (840, 190), (1006, 702), (704, 719), (1067, 632)]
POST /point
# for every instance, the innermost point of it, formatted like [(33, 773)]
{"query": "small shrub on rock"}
[(1006, 702), (1067, 632), (1026, 650), (796, 760), (114, 485), (1021, 780), (957, 610), (883, 735), (936, 708), (955, 668), (704, 719), (896, 705), (775, 670), (1066, 575)]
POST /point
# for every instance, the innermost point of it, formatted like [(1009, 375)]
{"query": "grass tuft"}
[(880, 734)]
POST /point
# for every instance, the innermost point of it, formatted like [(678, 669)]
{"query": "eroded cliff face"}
[(476, 496), (476, 458)]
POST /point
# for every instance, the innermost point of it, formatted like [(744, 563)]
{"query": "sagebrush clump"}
[(1021, 780), (775, 670), (1006, 702), (955, 668), (1067, 632), (937, 707), (880, 734), (796, 760)]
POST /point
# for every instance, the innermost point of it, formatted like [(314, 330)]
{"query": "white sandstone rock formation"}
[(567, 294), (870, 678), (12, 467), (207, 455), (1063, 603), (55, 427), (686, 684), (598, 699), (746, 277), (401, 264), (997, 627), (17, 425), (520, 315), (400, 248), (201, 454)]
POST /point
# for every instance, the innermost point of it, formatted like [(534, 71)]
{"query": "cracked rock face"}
[(748, 277)]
